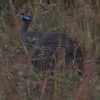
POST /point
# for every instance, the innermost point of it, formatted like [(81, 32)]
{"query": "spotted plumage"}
[(45, 45)]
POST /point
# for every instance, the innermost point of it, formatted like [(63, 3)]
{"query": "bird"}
[(44, 46)]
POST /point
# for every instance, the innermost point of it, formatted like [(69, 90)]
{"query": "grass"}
[(18, 78)]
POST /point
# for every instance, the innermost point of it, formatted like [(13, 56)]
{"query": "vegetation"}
[(18, 78)]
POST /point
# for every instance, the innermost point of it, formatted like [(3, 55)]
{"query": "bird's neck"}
[(24, 29)]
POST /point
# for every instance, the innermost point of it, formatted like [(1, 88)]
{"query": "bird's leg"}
[(43, 88), (47, 73), (53, 57), (63, 57)]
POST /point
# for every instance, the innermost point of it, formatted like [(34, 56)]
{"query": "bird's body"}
[(44, 46)]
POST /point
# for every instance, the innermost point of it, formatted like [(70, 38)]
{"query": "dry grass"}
[(18, 80)]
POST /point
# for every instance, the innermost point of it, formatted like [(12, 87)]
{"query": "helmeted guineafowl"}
[(43, 46)]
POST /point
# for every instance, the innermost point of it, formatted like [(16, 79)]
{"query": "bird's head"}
[(25, 17)]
